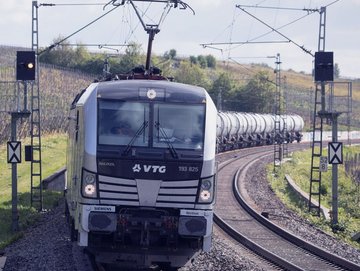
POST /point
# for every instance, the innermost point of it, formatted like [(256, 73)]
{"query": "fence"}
[(58, 87)]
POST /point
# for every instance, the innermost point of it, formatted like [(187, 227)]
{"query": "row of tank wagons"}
[(240, 130)]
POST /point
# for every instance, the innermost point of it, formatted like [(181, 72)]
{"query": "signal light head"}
[(30, 65), (25, 65)]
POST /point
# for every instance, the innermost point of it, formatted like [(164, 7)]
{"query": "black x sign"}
[(335, 153), (14, 151)]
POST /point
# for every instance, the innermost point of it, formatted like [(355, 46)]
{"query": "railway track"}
[(244, 224)]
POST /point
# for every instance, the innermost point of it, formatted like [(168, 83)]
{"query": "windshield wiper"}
[(166, 139), (137, 134)]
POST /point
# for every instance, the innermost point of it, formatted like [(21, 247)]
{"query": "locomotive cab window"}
[(179, 126), (182, 126), (121, 122)]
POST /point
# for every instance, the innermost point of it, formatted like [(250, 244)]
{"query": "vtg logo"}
[(149, 168)]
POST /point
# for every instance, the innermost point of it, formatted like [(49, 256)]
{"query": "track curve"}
[(271, 244)]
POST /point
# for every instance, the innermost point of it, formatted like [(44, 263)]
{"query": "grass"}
[(53, 158), (348, 199)]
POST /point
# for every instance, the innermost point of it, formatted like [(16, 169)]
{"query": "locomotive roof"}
[(138, 89)]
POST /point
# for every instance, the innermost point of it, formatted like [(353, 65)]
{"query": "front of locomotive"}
[(149, 151)]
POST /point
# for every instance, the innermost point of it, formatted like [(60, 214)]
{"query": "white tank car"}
[(238, 129), (141, 171)]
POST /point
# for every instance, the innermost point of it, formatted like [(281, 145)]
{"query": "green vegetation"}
[(299, 169), (58, 88), (241, 87), (232, 85), (53, 157), (258, 89)]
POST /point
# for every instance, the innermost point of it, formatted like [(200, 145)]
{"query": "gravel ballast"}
[(47, 245)]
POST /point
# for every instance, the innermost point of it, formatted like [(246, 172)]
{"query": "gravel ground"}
[(265, 200), (223, 256), (47, 246)]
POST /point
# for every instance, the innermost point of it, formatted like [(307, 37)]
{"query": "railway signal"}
[(25, 65), (324, 66)]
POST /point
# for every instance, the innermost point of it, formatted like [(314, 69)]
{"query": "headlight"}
[(206, 184), (89, 178), (206, 193), (89, 184), (89, 189)]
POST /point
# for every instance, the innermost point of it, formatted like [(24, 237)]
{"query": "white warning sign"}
[(14, 151), (335, 153)]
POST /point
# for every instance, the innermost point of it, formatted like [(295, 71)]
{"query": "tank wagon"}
[(141, 177), (236, 130)]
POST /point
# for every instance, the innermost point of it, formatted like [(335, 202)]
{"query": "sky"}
[(216, 23)]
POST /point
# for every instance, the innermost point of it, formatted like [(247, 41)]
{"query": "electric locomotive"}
[(141, 177)]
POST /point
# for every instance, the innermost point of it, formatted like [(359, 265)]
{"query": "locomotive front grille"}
[(175, 194)]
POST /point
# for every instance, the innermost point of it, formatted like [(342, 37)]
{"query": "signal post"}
[(25, 71), (14, 157)]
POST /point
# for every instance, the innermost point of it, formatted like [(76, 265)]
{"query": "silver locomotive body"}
[(141, 171)]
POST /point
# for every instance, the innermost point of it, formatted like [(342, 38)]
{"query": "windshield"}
[(181, 126), (172, 126), (123, 122)]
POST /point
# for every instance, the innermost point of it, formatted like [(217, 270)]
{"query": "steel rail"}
[(271, 257), (290, 237)]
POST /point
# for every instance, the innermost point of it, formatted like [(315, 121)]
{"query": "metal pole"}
[(25, 96), (334, 176), (152, 32), (14, 210)]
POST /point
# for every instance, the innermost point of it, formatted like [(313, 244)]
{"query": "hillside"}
[(59, 86), (299, 92)]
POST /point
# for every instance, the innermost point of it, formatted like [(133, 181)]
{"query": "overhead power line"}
[(274, 30), (116, 4), (281, 8), (257, 37), (100, 46), (243, 42), (69, 36), (311, 10), (70, 4)]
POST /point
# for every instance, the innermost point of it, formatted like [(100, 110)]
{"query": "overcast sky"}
[(215, 21)]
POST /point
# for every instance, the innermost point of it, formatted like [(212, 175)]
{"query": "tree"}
[(257, 95), (132, 58), (66, 56), (193, 60), (221, 90), (170, 54), (94, 65), (60, 55), (211, 61), (192, 75), (202, 61), (81, 56)]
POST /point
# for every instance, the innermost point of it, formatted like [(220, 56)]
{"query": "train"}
[(141, 174), (236, 130)]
